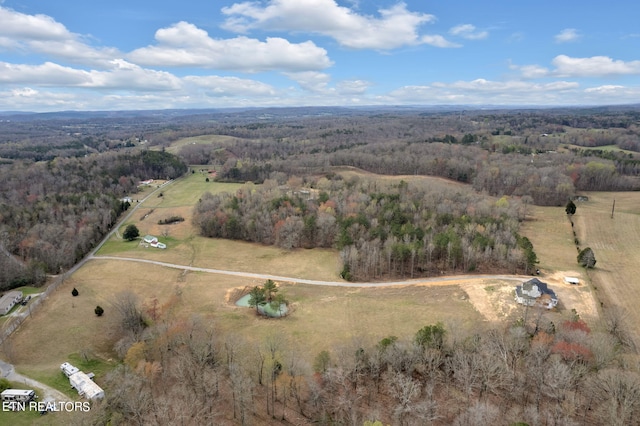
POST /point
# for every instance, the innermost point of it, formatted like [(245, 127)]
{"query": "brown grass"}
[(615, 245), (551, 233), (321, 317)]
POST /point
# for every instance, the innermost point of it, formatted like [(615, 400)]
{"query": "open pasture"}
[(202, 140), (321, 318), (615, 245)]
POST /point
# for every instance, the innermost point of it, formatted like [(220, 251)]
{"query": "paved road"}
[(49, 393), (7, 370), (433, 280)]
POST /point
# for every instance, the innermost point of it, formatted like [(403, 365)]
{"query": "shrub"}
[(170, 220), (99, 311), (74, 292)]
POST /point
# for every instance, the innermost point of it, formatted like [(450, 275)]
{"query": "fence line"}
[(16, 320)]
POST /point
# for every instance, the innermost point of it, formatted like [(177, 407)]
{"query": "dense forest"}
[(53, 212), (381, 230)]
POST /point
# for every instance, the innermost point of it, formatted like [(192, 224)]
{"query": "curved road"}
[(49, 393)]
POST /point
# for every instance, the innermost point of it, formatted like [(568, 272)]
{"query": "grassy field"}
[(613, 148), (551, 233), (201, 140), (615, 245), (322, 317)]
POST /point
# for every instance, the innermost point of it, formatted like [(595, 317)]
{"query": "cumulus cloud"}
[(468, 31), (230, 86), (482, 91), (567, 35), (438, 41), (122, 75), (567, 66), (352, 87), (42, 34), (595, 66), (183, 45), (311, 81), (395, 27)]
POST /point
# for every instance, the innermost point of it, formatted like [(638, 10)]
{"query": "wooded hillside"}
[(52, 213)]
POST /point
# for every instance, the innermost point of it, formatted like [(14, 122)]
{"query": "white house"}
[(82, 382), (85, 386), (150, 239), (535, 292), (9, 300)]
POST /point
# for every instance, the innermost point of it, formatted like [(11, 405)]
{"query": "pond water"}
[(266, 309)]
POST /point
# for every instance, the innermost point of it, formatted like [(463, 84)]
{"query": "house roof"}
[(8, 300), (543, 287)]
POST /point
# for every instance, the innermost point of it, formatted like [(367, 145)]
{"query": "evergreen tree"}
[(131, 232), (587, 258)]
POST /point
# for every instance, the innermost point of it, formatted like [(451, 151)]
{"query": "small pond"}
[(266, 309)]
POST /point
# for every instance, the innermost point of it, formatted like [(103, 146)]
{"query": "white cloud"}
[(438, 41), (352, 87), (42, 34), (482, 91), (468, 31), (567, 35), (566, 66), (184, 45), (310, 80), (122, 75), (595, 66), (396, 26), (230, 86), (533, 71)]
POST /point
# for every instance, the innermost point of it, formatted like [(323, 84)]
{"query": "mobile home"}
[(18, 395)]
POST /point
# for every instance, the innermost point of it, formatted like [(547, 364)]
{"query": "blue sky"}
[(143, 54)]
